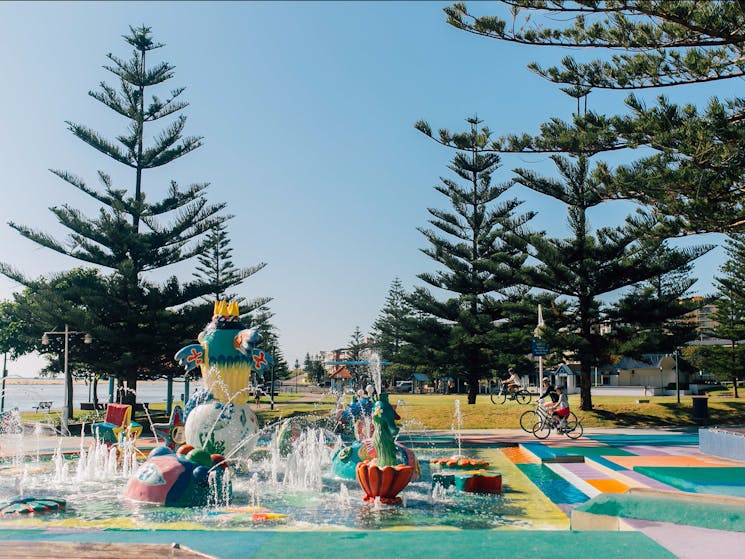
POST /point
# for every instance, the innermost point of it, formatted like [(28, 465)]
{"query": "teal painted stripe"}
[(607, 463), (676, 439), (591, 451), (409, 544), (553, 486), (539, 450), (425, 442), (688, 512), (714, 480)]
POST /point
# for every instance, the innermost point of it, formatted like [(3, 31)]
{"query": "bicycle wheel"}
[(574, 429), (541, 429), (528, 419), (498, 397), (523, 397)]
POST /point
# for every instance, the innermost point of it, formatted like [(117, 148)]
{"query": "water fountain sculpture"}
[(220, 424), (462, 473), (359, 414), (384, 477)]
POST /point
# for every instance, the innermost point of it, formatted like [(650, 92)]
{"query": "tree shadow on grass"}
[(719, 413), (639, 418)]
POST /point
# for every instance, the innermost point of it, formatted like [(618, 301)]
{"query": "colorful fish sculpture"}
[(227, 354)]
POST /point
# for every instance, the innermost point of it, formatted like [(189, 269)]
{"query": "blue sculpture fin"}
[(190, 356)]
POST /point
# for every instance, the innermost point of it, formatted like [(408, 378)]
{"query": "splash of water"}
[(344, 498), (220, 488), (375, 369), (307, 461), (252, 489), (439, 493), (457, 425)]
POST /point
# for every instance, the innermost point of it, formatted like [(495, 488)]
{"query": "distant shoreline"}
[(16, 380)]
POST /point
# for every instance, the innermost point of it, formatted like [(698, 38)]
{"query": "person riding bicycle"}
[(560, 407), (549, 391), (513, 383)]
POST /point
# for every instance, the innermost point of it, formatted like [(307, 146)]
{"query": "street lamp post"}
[(67, 406), (271, 390), (677, 377), (2, 385), (297, 368)]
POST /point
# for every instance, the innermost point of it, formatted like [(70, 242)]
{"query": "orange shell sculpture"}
[(386, 482)]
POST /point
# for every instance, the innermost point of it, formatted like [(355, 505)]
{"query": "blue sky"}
[(307, 110)]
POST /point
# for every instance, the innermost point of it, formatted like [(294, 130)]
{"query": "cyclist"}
[(560, 407), (549, 391), (513, 383)]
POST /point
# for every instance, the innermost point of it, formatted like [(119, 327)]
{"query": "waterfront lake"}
[(26, 395)]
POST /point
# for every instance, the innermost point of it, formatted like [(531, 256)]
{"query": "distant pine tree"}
[(587, 265), (477, 267), (132, 235), (648, 319), (389, 328), (730, 313)]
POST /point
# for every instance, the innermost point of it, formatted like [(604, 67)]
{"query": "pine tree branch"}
[(99, 143)]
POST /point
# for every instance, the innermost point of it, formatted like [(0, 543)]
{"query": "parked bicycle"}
[(501, 394), (572, 427), (531, 417)]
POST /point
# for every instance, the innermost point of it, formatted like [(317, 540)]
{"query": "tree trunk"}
[(95, 391), (734, 368), (69, 392), (129, 392), (473, 388), (585, 381)]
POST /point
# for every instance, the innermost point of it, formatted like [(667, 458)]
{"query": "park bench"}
[(116, 425), (45, 406), (90, 406)]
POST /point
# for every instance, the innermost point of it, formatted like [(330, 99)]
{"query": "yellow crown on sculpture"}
[(223, 308)]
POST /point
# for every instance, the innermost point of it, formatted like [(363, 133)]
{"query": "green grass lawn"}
[(437, 411)]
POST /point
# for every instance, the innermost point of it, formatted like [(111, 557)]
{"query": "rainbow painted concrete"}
[(622, 493)]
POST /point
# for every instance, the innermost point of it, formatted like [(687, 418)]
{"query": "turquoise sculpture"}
[(220, 423)]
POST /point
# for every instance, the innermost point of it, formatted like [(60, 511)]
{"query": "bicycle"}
[(531, 417), (572, 428), (521, 395)]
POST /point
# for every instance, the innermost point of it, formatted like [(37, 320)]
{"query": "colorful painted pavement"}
[(604, 474), (656, 483)]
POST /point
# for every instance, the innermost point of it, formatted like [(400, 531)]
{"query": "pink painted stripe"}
[(644, 450), (648, 481), (692, 542), (585, 471)]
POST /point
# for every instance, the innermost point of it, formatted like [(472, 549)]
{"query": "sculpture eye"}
[(246, 339), (238, 340)]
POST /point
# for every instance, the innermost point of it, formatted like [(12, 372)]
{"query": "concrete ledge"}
[(724, 443), (548, 455), (588, 521), (687, 509)]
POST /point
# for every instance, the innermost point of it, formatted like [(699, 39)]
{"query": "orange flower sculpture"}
[(385, 482)]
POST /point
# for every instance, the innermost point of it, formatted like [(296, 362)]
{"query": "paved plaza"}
[(612, 493)]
